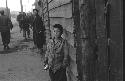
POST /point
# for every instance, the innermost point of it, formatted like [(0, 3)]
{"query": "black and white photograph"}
[(61, 40)]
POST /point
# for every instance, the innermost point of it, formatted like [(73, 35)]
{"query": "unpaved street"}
[(21, 62)]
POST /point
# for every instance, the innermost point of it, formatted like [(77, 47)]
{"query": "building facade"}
[(94, 30), (60, 12)]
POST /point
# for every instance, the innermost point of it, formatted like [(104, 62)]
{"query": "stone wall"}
[(60, 12)]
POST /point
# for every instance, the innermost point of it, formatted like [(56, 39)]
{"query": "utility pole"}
[(21, 6), (7, 9), (6, 4)]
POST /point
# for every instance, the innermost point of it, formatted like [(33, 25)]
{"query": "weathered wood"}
[(76, 16), (116, 41), (102, 62), (85, 29)]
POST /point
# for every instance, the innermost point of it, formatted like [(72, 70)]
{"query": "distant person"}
[(30, 15), (19, 19), (38, 30), (5, 27), (25, 26)]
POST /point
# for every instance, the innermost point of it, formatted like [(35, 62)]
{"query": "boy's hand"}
[(46, 67)]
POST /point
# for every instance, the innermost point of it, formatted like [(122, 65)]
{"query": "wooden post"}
[(107, 22), (76, 17), (48, 14), (85, 30)]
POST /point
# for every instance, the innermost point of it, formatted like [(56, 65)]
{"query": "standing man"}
[(19, 17), (26, 30), (38, 30), (5, 26)]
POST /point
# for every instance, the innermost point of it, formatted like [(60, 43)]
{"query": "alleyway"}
[(21, 62), (92, 28)]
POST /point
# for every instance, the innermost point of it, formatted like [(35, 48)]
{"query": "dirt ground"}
[(21, 62)]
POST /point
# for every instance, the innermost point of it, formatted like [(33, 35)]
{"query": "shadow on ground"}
[(20, 46)]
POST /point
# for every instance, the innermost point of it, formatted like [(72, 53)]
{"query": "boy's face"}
[(56, 32), (35, 12)]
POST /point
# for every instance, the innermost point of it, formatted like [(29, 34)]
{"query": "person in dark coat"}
[(19, 19), (26, 24), (5, 26), (38, 30), (31, 18)]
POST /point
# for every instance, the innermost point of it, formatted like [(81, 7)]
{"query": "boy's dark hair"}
[(59, 27), (35, 10), (2, 12)]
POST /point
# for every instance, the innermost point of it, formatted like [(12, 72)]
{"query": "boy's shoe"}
[(28, 36), (6, 47)]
